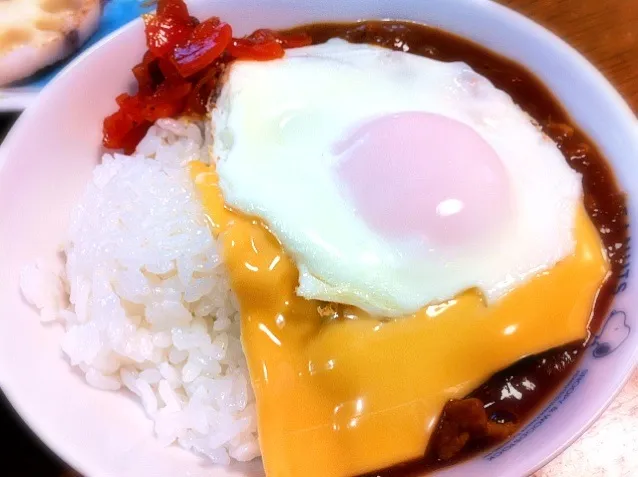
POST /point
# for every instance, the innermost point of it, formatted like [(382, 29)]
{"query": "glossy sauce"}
[(330, 387)]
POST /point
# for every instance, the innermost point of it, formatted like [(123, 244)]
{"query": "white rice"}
[(145, 300)]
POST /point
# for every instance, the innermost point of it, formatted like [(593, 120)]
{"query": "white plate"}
[(47, 160)]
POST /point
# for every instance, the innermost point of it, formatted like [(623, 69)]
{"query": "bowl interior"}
[(47, 160)]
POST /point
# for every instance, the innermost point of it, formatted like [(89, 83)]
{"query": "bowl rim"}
[(620, 104), (602, 84)]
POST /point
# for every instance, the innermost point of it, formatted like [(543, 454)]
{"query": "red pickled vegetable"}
[(265, 35), (182, 67), (206, 43), (144, 79), (121, 131), (245, 49), (133, 137), (176, 9), (163, 33), (266, 45), (169, 93), (261, 45), (168, 71), (198, 98), (171, 26), (147, 74)]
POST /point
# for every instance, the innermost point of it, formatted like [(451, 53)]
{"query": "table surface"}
[(606, 32)]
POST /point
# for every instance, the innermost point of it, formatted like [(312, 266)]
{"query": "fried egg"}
[(394, 181)]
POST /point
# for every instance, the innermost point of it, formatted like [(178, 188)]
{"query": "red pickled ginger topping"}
[(182, 67)]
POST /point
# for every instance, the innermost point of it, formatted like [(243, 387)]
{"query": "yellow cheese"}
[(340, 393)]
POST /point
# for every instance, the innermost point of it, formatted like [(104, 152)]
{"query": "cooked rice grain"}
[(151, 308)]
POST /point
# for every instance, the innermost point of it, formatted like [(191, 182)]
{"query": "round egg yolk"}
[(425, 175)]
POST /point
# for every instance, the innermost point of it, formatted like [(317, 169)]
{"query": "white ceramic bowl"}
[(48, 157)]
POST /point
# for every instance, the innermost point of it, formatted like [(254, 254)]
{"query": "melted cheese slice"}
[(340, 393)]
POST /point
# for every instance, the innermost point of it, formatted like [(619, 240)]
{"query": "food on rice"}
[(332, 245)]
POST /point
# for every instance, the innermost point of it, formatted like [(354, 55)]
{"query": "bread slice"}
[(38, 33)]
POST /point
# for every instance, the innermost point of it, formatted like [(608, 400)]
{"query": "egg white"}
[(274, 124)]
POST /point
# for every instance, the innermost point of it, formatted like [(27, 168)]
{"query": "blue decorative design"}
[(116, 13), (625, 262), (613, 334)]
